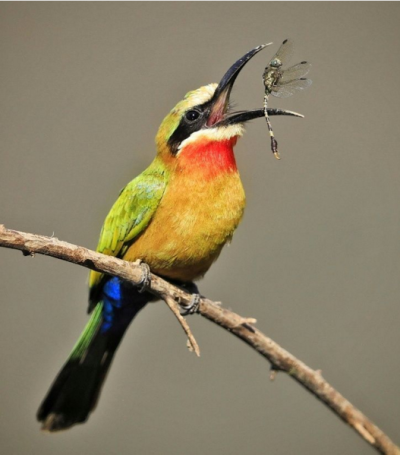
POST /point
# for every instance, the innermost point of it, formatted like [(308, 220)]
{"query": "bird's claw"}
[(193, 306), (145, 282)]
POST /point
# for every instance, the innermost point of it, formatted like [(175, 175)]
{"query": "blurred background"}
[(84, 87)]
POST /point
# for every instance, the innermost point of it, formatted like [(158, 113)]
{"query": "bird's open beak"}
[(219, 103)]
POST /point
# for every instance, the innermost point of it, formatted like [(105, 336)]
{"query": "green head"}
[(184, 110)]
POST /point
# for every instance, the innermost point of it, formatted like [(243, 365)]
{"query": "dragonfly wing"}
[(284, 52), (295, 72), (290, 88), (299, 84), (283, 91)]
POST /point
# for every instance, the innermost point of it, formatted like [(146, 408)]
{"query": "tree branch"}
[(279, 358)]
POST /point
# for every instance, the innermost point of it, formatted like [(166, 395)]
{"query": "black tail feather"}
[(75, 391)]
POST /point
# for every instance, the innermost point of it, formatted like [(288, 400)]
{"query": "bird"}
[(175, 217)]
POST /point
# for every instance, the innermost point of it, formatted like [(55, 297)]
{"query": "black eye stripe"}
[(193, 120)]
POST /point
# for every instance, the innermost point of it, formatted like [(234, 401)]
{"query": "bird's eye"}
[(191, 116)]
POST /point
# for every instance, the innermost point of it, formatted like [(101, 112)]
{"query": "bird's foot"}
[(145, 281), (193, 306)]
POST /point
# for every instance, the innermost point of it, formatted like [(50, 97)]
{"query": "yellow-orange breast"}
[(200, 209)]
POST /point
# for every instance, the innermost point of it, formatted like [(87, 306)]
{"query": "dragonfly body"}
[(283, 83), (272, 75)]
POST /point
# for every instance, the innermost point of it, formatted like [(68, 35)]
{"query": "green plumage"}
[(129, 217), (88, 333)]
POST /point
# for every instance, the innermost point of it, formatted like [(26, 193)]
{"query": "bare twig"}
[(174, 307), (280, 359)]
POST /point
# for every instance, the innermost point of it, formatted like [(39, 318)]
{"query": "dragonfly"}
[(283, 83)]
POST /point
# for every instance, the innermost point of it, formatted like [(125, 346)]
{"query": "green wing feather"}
[(129, 216)]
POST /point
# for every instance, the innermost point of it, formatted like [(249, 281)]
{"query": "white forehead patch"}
[(221, 133), (201, 95)]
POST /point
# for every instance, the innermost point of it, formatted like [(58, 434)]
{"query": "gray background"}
[(315, 260)]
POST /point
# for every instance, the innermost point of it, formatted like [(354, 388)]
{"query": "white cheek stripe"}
[(218, 134)]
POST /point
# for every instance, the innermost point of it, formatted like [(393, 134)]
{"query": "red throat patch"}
[(209, 158)]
